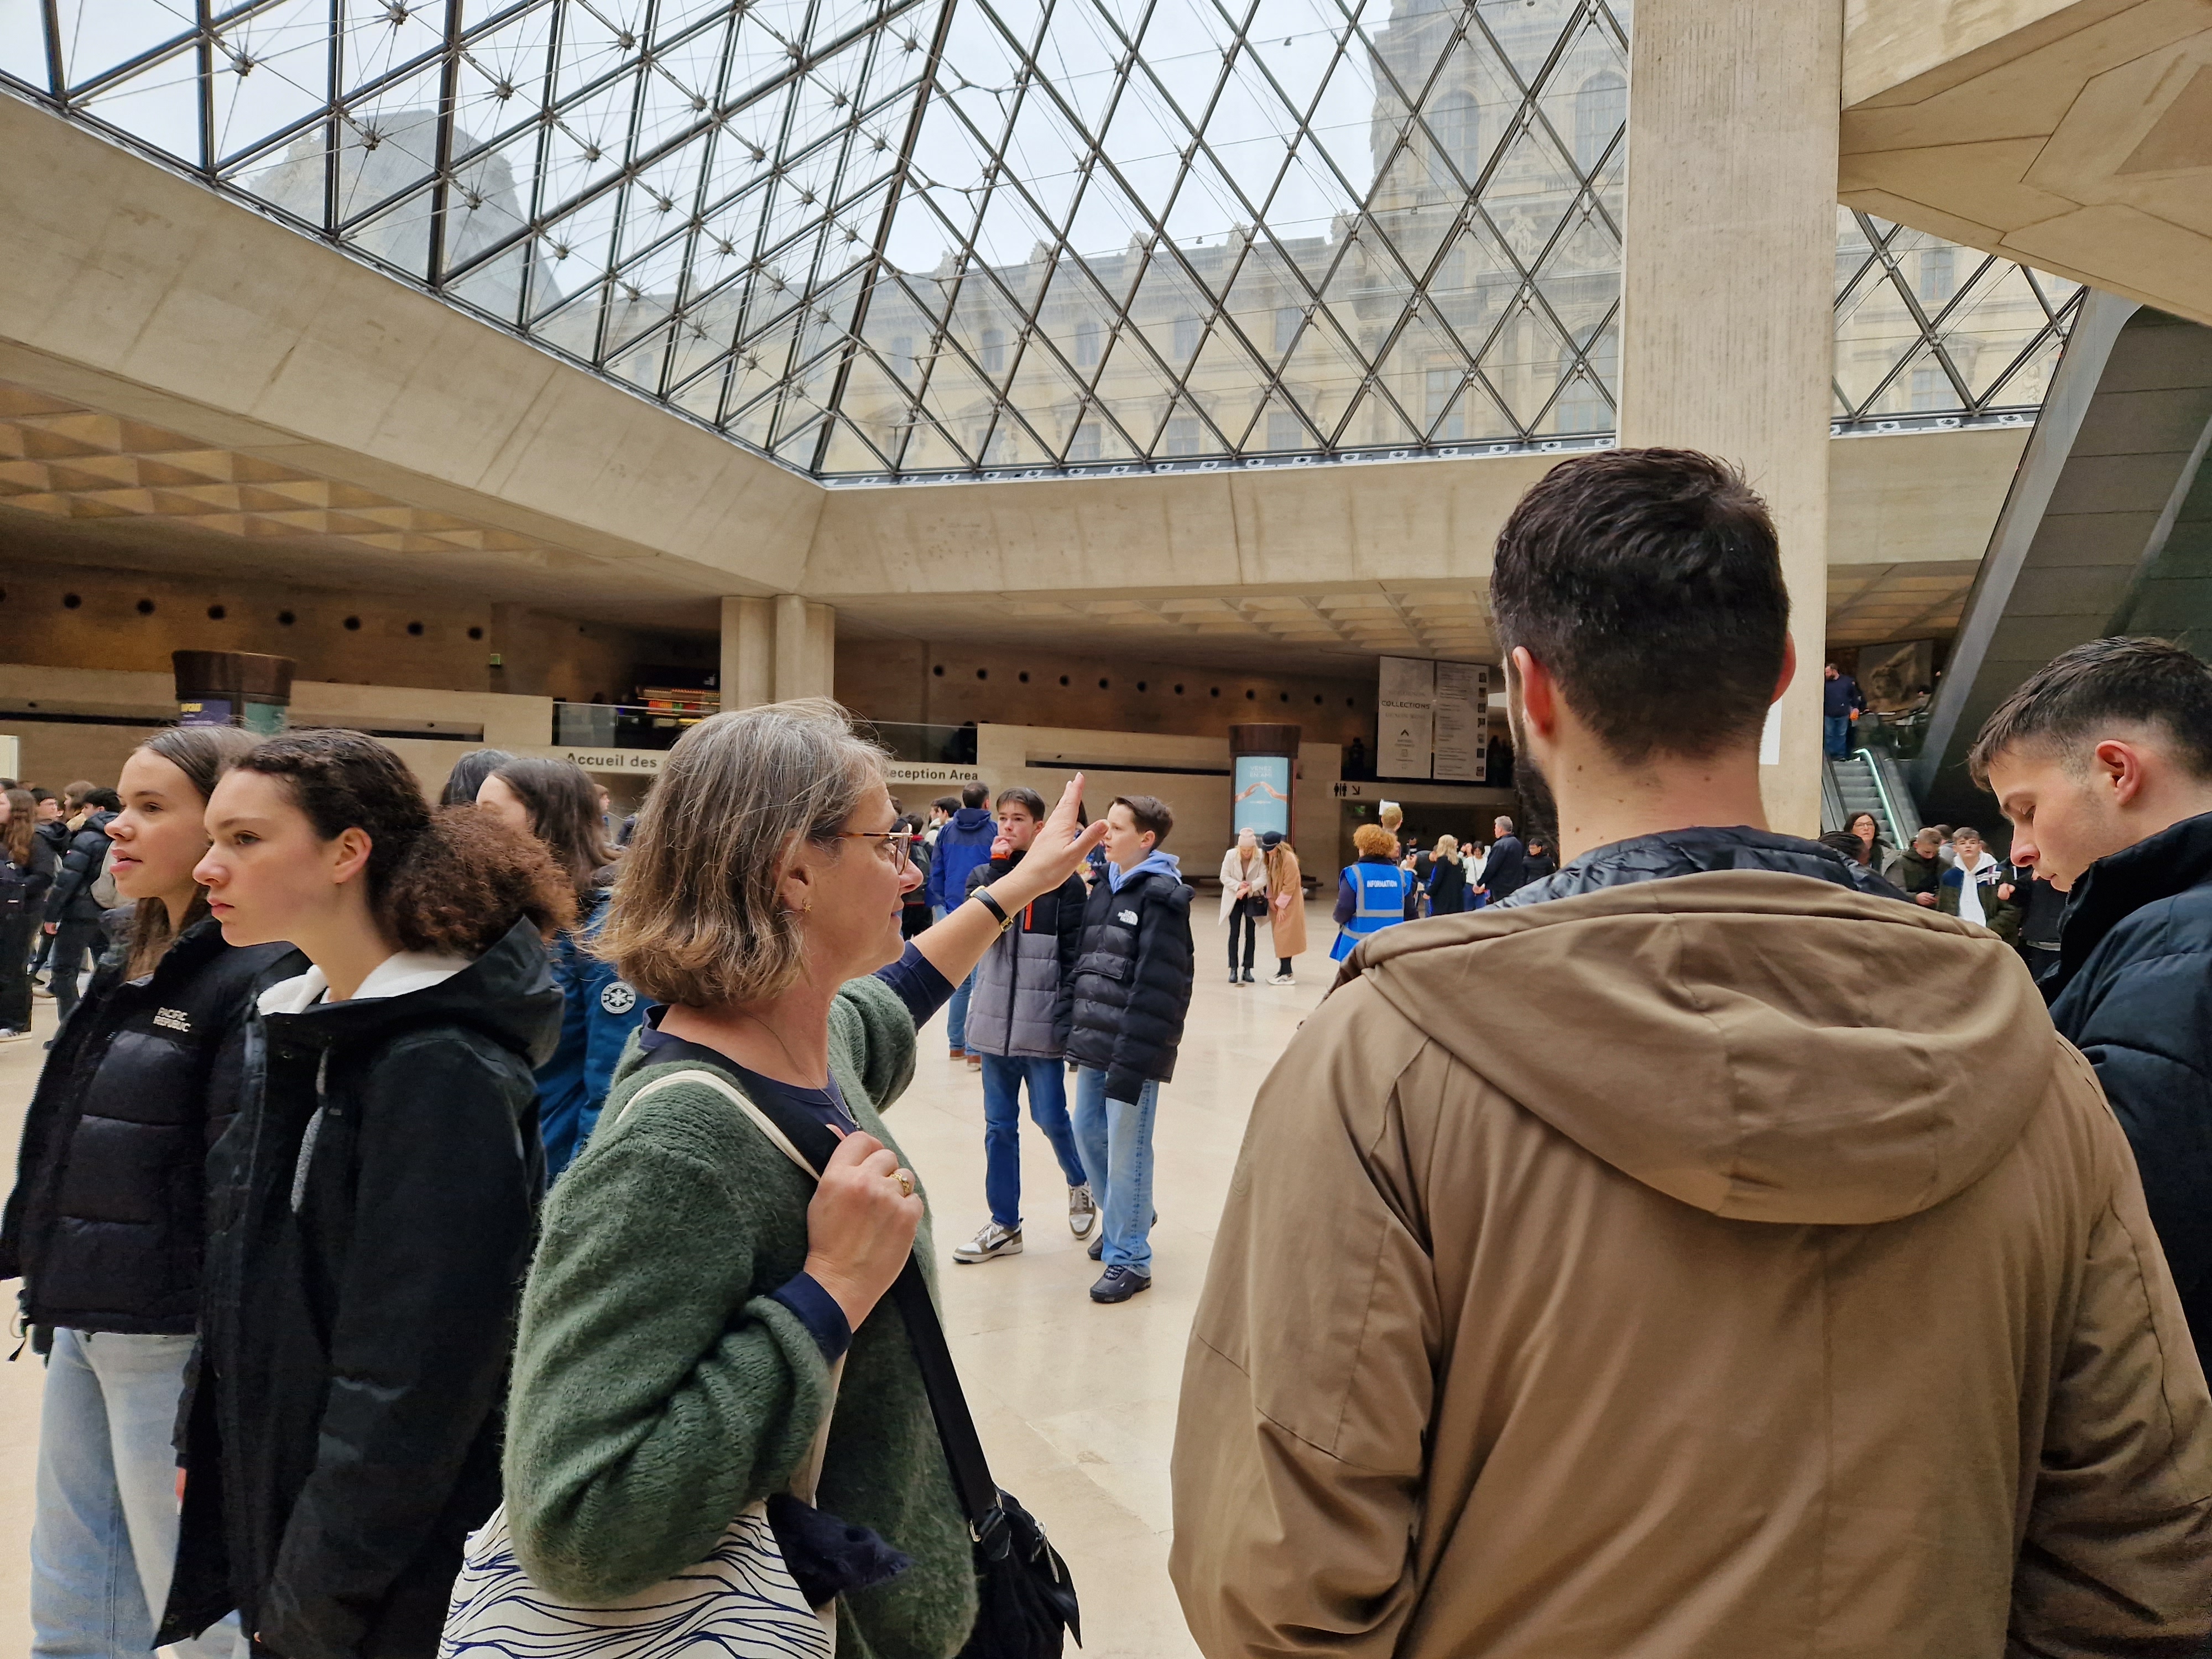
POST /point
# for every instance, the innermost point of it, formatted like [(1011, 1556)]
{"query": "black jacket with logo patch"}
[(2133, 992), (106, 1224), (1126, 998), (372, 1220)]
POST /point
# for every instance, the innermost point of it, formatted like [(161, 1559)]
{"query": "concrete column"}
[(791, 679), (822, 649), (1728, 292), (748, 669)]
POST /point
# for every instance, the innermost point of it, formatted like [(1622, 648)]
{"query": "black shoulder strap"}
[(909, 1294)]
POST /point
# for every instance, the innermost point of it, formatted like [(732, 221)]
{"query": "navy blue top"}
[(924, 991)]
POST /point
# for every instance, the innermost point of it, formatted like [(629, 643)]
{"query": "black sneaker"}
[(1097, 1250), (1118, 1285)]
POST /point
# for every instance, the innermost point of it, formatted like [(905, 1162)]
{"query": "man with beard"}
[(1695, 1254)]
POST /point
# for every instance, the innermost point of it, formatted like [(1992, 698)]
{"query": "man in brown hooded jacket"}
[(1697, 1256)]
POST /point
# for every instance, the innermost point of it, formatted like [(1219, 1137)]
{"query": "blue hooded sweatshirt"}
[(961, 844), (1163, 862)]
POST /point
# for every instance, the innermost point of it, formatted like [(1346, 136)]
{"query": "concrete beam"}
[(131, 289), (2073, 136)]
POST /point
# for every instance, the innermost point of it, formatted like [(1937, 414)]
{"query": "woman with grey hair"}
[(694, 1294)]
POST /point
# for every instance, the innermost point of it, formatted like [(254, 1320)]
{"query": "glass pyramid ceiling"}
[(887, 240)]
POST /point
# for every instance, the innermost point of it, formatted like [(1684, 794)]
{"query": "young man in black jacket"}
[(1125, 1006), (2103, 762)]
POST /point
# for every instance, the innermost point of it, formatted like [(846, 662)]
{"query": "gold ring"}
[(906, 1183)]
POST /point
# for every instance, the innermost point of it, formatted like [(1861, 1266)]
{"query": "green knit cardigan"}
[(658, 1390)]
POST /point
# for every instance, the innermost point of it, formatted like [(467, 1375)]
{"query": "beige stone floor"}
[(1076, 1403)]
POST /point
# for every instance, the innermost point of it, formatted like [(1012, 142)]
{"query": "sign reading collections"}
[(1432, 721)]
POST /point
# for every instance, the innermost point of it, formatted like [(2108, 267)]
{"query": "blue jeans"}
[(1002, 1128), (1836, 735), (956, 1011), (76, 947), (1115, 1139), (104, 1531)]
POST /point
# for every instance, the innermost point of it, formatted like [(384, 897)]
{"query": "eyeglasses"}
[(898, 842)]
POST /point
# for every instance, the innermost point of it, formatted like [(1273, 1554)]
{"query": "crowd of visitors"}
[(488, 1195)]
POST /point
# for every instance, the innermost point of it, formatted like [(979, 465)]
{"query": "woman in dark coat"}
[(106, 1223), (27, 863), (374, 1202)]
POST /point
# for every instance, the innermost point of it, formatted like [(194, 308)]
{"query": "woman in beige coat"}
[(1286, 904)]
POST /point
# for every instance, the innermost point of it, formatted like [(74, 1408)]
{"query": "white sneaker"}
[(990, 1244), (1282, 979), (1082, 1211), (7, 1036)]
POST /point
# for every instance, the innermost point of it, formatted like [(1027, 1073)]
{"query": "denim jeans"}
[(76, 947), (956, 1011), (104, 1533), (1115, 1139), (1002, 1128), (1836, 735)]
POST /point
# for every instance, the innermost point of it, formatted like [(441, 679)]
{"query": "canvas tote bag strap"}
[(805, 1479)]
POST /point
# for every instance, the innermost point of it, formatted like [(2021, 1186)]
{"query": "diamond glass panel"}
[(877, 239)]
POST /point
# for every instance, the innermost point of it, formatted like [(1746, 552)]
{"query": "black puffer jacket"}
[(70, 898), (1691, 852), (2133, 992), (1131, 987), (106, 1224), (372, 1221)]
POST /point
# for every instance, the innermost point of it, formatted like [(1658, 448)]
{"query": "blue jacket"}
[(961, 845), (2133, 992), (599, 1011), (1370, 896), (1839, 696)]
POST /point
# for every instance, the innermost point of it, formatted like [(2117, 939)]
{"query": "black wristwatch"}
[(995, 908)]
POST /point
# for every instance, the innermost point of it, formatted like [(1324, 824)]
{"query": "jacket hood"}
[(1764, 1047), (970, 819), (507, 993), (1154, 862)]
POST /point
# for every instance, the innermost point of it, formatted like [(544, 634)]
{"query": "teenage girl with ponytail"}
[(380, 1189), (105, 1225)]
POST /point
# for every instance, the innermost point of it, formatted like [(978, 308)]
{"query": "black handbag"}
[(1026, 1596), (1027, 1599)]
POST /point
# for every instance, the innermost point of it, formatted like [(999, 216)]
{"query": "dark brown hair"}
[(2078, 695), (563, 804), (1149, 813), (1648, 583), (203, 754), (22, 826), (1028, 799), (453, 881)]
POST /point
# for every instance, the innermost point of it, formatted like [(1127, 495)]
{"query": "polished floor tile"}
[(1076, 1403)]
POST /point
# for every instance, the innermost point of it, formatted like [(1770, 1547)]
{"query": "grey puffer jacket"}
[(1015, 1009), (1694, 851)]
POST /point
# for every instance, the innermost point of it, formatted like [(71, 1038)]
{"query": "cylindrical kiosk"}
[(1263, 767), (232, 688)]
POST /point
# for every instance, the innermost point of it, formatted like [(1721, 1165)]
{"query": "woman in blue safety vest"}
[(1371, 894)]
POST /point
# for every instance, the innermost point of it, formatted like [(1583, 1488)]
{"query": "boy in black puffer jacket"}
[(1126, 1003)]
